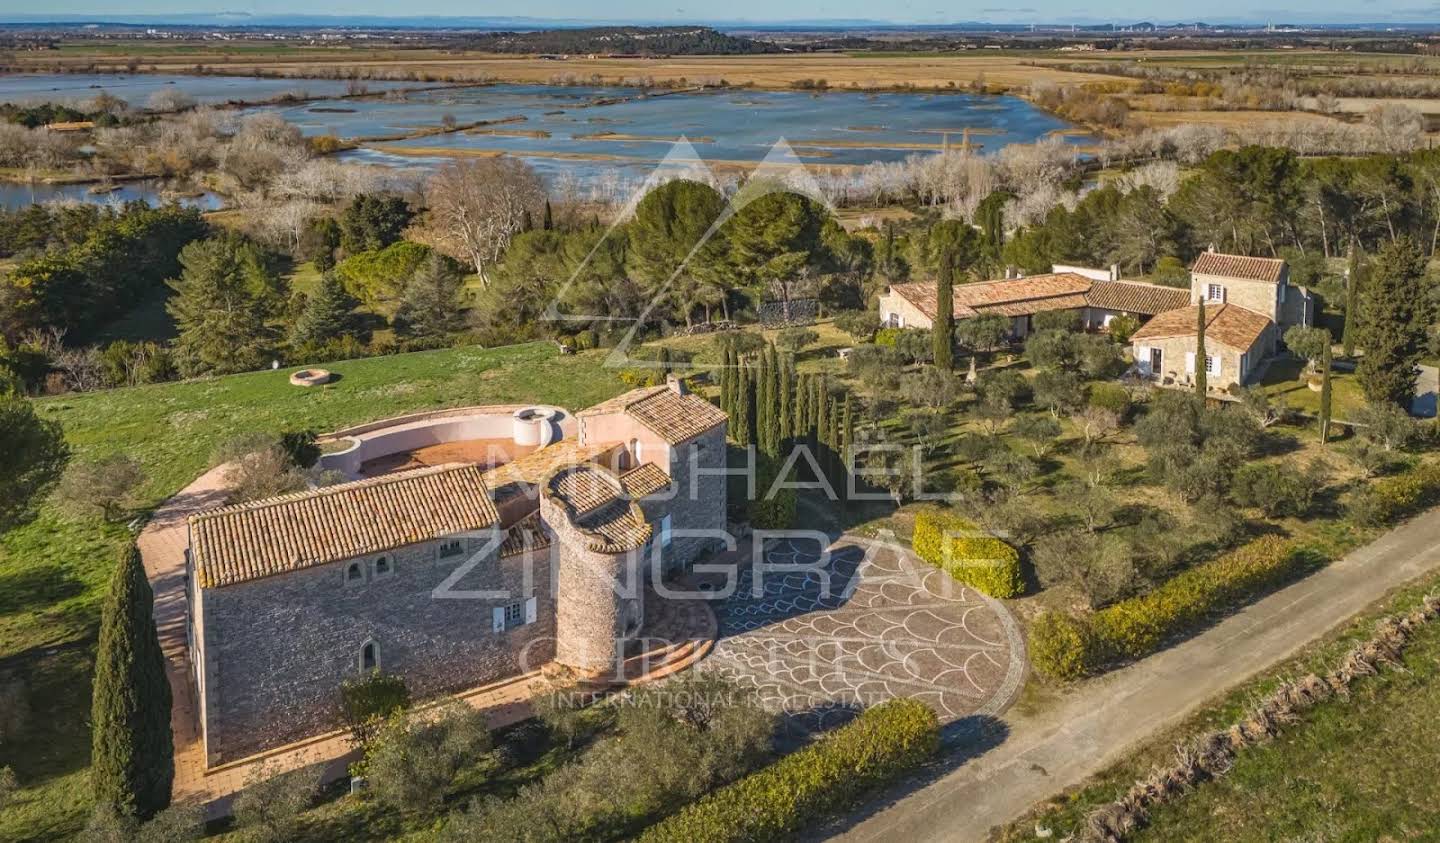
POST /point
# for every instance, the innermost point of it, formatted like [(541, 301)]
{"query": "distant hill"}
[(637, 40)]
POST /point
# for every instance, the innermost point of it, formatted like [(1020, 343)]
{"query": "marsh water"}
[(593, 132)]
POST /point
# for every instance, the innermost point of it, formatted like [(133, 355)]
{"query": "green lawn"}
[(1282, 381), (52, 571)]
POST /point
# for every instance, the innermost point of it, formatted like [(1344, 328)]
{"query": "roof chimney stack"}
[(676, 385), (1114, 272)]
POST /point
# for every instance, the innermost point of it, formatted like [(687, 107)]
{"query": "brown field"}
[(837, 70), (1224, 119)]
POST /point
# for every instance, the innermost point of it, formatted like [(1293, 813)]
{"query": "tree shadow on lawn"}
[(34, 589), (50, 737)]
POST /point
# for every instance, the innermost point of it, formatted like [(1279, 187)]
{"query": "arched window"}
[(369, 657), (383, 566), (354, 573)]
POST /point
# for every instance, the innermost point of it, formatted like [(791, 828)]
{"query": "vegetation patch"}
[(968, 554), (884, 743)]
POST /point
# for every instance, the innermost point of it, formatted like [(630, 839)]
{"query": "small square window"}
[(1216, 293), (452, 547), (384, 566), (354, 573), (514, 615)]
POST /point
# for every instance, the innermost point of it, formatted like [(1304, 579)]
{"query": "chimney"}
[(1114, 272), (676, 385)]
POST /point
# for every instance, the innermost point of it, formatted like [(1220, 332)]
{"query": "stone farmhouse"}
[(448, 576), (1099, 301), (1249, 303)]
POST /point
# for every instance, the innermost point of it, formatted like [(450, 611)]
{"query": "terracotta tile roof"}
[(526, 534), (645, 480), (1228, 324), (1136, 297), (287, 533), (1239, 266), (594, 497), (1010, 296), (674, 418)]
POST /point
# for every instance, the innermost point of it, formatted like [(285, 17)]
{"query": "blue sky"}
[(904, 11)]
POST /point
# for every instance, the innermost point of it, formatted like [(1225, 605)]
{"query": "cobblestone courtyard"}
[(824, 638)]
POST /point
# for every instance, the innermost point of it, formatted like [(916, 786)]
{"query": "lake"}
[(593, 132), (136, 89), (14, 195)]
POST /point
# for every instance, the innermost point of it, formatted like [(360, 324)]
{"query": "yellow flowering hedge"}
[(1392, 498), (1068, 646), (967, 553), (806, 786)]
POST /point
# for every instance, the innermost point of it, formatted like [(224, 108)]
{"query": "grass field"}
[(53, 571), (1350, 770)]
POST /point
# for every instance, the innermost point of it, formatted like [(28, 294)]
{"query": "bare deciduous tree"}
[(478, 206)]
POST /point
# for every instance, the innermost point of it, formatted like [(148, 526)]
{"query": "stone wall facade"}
[(275, 651), (1235, 364)]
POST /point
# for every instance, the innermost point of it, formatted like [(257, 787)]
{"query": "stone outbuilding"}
[(434, 576)]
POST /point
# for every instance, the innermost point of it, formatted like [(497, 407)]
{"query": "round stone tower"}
[(600, 534)]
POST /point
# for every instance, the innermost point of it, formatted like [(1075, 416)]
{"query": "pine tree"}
[(328, 314), (943, 333), (1325, 397), (132, 754), (1354, 277), (1394, 315), (430, 302), (223, 301), (1200, 371)]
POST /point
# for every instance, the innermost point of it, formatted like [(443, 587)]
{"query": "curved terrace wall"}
[(542, 425)]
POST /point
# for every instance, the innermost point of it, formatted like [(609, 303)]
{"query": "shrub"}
[(1062, 645), (367, 702), (1134, 628), (968, 554), (103, 488), (1276, 489), (794, 339), (412, 763), (1069, 646), (1388, 500), (832, 774), (269, 807), (887, 337), (1110, 396)]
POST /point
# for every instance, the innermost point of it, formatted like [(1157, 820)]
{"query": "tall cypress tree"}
[(943, 334), (1394, 317), (1200, 373), (132, 753), (1325, 397), (787, 399), (549, 217), (1354, 277)]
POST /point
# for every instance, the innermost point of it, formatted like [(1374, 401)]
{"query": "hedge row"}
[(806, 786), (968, 554), (1388, 500), (1069, 646)]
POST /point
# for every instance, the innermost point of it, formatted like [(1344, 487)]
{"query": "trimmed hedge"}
[(1068, 646), (1392, 498), (806, 786), (968, 554)]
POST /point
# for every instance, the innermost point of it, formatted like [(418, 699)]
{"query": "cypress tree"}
[(822, 416), (787, 399), (943, 334), (132, 753), (726, 404), (549, 217), (1200, 373), (1394, 317), (1325, 397), (1353, 279)]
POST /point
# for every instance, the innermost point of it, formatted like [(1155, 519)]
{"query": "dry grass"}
[(838, 70)]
